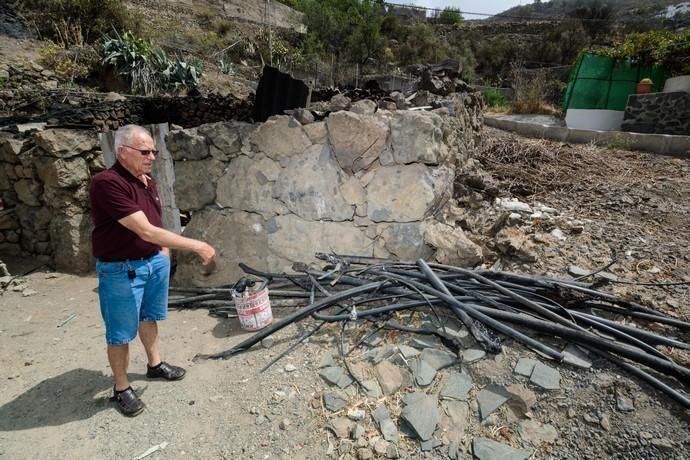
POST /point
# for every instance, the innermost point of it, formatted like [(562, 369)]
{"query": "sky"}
[(477, 6)]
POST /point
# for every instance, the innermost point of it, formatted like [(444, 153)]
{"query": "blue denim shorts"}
[(126, 302)]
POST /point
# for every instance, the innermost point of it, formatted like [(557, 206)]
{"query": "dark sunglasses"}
[(144, 152)]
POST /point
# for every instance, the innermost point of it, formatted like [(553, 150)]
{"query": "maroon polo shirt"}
[(115, 193)]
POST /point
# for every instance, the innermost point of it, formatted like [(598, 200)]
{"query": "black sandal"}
[(127, 402), (165, 371)]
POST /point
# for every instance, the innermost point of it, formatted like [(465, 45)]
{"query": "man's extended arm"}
[(139, 224)]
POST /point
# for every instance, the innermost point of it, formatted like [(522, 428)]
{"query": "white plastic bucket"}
[(253, 309)]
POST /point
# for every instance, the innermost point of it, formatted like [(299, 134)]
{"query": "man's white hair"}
[(125, 134)]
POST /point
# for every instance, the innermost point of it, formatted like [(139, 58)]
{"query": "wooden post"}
[(163, 172)]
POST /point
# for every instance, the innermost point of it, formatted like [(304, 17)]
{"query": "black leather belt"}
[(134, 259)]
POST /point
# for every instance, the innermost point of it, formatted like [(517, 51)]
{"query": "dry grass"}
[(536, 167)]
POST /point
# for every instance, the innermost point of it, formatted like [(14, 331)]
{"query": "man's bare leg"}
[(118, 356), (148, 333)]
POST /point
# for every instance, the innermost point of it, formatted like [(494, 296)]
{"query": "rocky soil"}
[(606, 204)]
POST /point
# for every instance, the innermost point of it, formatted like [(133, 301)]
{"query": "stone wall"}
[(110, 111), (44, 177), (658, 113), (359, 182)]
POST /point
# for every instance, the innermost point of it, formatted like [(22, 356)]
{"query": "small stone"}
[(472, 354), (392, 451), (546, 377), (486, 449), (572, 413), (574, 270), (457, 387), (536, 433), (290, 368), (624, 404), (422, 416), (525, 366), (605, 422), (284, 424), (590, 419), (356, 414), (558, 234), (573, 355), (333, 402), (267, 342), (365, 454), (491, 398), (665, 445), (357, 432), (28, 292), (381, 446)]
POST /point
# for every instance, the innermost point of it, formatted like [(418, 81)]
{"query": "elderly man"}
[(133, 260)]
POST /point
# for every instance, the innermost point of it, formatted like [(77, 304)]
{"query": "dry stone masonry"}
[(363, 182), (359, 182), (658, 113)]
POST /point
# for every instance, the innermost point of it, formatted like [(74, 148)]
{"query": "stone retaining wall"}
[(44, 177), (269, 194), (108, 112), (272, 195), (658, 113)]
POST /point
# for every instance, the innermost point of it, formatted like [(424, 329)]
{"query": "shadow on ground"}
[(58, 400)]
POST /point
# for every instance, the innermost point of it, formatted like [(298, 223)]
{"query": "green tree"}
[(450, 15)]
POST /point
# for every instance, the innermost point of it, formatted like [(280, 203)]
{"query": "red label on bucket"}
[(253, 310)]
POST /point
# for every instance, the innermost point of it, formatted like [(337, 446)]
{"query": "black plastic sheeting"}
[(277, 92)]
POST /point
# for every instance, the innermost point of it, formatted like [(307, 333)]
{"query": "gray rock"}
[(664, 445), (514, 205), (187, 145), (406, 241), (426, 342), (357, 140), (522, 399), (624, 404), (573, 355), (456, 420), (458, 386), (333, 401), (363, 107), (430, 445), (486, 449), (66, 143), (453, 247), (336, 376), (491, 398), (525, 366), (407, 351), (546, 377), (412, 398), (341, 427), (195, 183), (422, 372), (577, 271), (389, 376), (357, 432), (422, 416), (438, 358), (386, 201), (536, 433), (472, 354), (416, 137), (309, 186), (280, 137), (226, 139), (385, 424), (62, 172), (304, 116), (372, 390)]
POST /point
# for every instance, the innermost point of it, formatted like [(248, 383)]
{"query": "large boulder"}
[(452, 246), (247, 185), (237, 236), (226, 139), (62, 172), (195, 183), (357, 140), (406, 241), (280, 137), (416, 137), (66, 143), (297, 240), (28, 192), (187, 144), (70, 238), (309, 186), (10, 149), (405, 193)]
